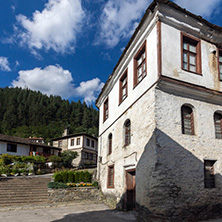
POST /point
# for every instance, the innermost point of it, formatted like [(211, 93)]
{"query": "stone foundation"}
[(74, 194)]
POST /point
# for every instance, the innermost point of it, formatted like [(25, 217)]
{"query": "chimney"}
[(66, 132)]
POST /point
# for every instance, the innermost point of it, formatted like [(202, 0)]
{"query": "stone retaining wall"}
[(74, 194)]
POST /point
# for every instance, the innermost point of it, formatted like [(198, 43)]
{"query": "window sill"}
[(200, 74), (125, 99), (110, 187), (139, 82)]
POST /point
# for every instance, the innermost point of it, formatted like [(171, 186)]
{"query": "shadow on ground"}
[(99, 216)]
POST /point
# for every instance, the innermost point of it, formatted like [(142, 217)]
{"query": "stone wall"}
[(74, 194)]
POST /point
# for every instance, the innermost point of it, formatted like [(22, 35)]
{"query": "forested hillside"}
[(25, 113)]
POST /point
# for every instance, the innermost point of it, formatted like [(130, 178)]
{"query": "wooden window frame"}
[(12, 147), (219, 53), (60, 141), (197, 42), (109, 185), (72, 142), (78, 141), (106, 109), (191, 119), (110, 143), (209, 183), (218, 125), (122, 87), (87, 142), (127, 131), (136, 58)]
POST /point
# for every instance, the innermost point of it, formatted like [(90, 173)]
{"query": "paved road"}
[(66, 213), (73, 212)]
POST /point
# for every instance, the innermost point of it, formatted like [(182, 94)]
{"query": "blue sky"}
[(70, 47)]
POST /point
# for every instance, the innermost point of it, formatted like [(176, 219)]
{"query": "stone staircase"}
[(24, 191)]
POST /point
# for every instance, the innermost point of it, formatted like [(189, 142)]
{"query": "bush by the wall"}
[(73, 177), (57, 185)]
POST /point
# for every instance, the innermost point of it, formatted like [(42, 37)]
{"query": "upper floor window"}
[(140, 65), (72, 142), (78, 141), (92, 143), (110, 139), (123, 87), (60, 143), (127, 126), (220, 64), (11, 148), (218, 125), (191, 54), (110, 180), (87, 142), (106, 110), (187, 120)]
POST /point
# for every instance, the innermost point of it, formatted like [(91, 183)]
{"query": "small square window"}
[(191, 54), (92, 143), (220, 64), (140, 65), (60, 143), (106, 110), (87, 142), (110, 181), (11, 148), (78, 141), (72, 142), (123, 87)]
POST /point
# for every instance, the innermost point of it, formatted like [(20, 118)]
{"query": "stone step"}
[(22, 202)]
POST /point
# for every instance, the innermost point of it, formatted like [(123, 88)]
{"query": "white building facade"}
[(84, 144), (160, 132)]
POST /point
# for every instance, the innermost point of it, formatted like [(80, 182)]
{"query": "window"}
[(11, 148), (87, 142), (127, 126), (106, 110), (187, 120), (140, 65), (209, 176), (191, 54), (78, 141), (220, 64), (110, 180), (72, 142), (90, 156), (60, 143), (218, 125), (110, 140), (92, 143), (123, 87)]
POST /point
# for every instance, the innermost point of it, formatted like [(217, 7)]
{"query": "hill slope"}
[(25, 113)]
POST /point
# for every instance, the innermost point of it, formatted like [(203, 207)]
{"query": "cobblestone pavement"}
[(65, 213)]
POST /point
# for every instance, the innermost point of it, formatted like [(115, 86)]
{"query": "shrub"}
[(57, 185), (67, 157), (71, 177), (7, 159), (64, 176), (58, 177), (95, 184), (39, 159), (77, 177), (54, 158)]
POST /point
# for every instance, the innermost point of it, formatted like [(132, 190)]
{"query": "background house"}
[(161, 118), (84, 144), (14, 145)]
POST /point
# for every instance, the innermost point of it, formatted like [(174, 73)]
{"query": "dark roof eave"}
[(76, 134)]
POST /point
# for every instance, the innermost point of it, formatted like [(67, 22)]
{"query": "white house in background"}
[(14, 145), (160, 130), (84, 144)]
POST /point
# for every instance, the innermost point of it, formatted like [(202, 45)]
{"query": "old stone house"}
[(84, 144), (160, 132)]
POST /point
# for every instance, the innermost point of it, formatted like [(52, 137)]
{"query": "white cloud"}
[(204, 8), (89, 89), (54, 28), (119, 20), (4, 64), (54, 80)]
